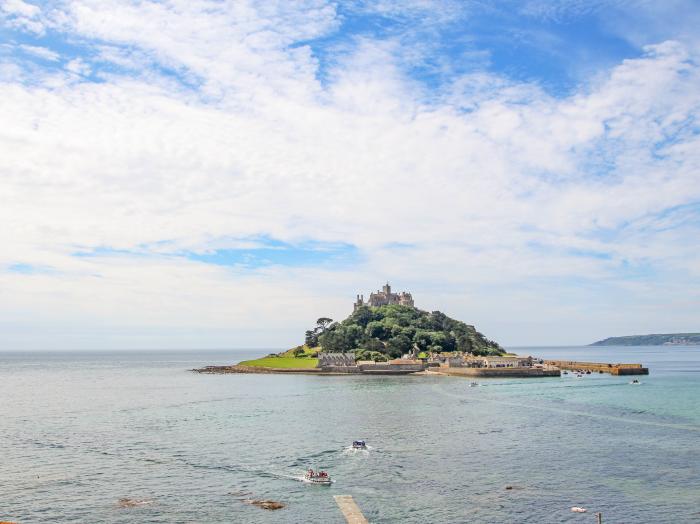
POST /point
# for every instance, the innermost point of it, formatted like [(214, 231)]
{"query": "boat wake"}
[(349, 450)]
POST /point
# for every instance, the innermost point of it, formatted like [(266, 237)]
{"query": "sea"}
[(136, 436)]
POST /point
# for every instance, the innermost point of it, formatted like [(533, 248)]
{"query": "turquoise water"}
[(82, 430)]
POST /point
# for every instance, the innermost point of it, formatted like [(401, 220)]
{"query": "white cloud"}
[(20, 14), (500, 188), (19, 8), (41, 52), (79, 67)]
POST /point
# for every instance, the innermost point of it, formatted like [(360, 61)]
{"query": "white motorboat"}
[(317, 477), (473, 384), (359, 444)]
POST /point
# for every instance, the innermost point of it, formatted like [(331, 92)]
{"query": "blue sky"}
[(529, 167)]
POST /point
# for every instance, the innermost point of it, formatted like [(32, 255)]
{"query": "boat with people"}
[(317, 477), (635, 381), (473, 384), (359, 444)]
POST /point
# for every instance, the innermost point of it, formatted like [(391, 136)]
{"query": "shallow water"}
[(82, 430)]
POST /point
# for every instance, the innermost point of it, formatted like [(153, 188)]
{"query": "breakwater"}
[(510, 372), (600, 367)]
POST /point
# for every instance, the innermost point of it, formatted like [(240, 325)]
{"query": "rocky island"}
[(388, 335)]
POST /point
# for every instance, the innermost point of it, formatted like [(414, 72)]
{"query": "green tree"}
[(311, 338), (375, 344), (423, 340), (376, 329), (398, 346), (323, 323), (336, 339)]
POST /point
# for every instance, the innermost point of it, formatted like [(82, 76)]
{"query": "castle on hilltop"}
[(384, 298)]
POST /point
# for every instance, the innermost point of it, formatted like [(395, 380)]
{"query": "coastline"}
[(242, 369), (466, 372), (551, 368)]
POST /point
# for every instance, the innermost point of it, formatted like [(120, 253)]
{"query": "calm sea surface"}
[(79, 431)]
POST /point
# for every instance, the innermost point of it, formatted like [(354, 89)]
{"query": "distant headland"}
[(668, 339)]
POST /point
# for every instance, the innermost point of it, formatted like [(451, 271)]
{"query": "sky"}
[(194, 174)]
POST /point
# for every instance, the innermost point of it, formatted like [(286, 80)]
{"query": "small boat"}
[(579, 376), (564, 372), (576, 509), (317, 477), (635, 381), (588, 372), (359, 444), (473, 384)]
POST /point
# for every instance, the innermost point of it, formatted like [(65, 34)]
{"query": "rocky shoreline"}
[(238, 368)]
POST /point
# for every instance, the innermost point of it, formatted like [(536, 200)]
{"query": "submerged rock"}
[(265, 504), (133, 503)]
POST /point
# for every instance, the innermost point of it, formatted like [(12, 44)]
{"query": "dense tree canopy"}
[(397, 330)]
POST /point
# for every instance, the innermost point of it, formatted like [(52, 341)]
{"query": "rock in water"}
[(265, 504)]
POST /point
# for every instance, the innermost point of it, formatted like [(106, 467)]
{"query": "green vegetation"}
[(669, 339), (299, 352), (312, 335), (391, 331), (281, 362)]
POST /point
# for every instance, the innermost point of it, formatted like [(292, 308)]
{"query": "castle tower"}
[(387, 289)]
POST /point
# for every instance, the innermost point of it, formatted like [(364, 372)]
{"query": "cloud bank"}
[(220, 174)]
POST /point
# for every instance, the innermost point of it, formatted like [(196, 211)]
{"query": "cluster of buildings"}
[(466, 360), (491, 366), (445, 363), (345, 363)]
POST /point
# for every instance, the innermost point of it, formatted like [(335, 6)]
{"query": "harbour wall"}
[(511, 372), (613, 369), (376, 369)]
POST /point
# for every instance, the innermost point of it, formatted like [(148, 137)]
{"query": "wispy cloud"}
[(40, 52)]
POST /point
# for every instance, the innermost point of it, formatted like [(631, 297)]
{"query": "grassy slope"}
[(282, 362), (307, 351)]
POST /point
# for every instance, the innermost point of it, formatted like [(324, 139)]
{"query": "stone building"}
[(385, 297)]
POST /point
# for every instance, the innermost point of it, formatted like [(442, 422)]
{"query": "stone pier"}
[(597, 367), (351, 511)]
